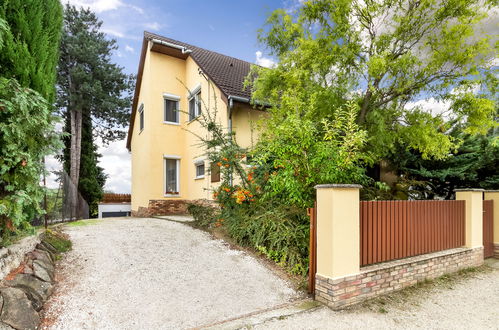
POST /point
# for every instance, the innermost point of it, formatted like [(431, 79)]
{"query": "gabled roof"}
[(226, 72)]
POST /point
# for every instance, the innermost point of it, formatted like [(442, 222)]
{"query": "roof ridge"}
[(181, 43)]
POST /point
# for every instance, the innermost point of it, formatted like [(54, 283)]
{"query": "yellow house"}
[(174, 80)]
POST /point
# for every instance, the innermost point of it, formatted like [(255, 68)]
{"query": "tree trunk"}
[(75, 156)]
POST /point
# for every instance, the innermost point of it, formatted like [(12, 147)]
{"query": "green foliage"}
[(474, 165), (30, 51), (56, 240), (87, 79), (296, 153), (204, 216), (263, 200), (27, 134), (383, 55)]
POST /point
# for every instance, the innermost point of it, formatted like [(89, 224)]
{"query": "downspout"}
[(231, 99)]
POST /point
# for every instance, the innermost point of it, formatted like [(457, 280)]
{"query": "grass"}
[(81, 223), (413, 295), (58, 241)]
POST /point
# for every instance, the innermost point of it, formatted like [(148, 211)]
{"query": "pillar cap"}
[(491, 190), (469, 189), (344, 186)]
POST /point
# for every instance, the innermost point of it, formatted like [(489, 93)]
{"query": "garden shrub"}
[(204, 216), (265, 191)]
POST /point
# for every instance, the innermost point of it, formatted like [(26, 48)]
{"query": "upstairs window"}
[(171, 109), (199, 170), (141, 117), (195, 105)]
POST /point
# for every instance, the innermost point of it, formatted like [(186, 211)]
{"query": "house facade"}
[(175, 83)]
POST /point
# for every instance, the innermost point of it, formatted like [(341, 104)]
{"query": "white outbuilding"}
[(115, 205)]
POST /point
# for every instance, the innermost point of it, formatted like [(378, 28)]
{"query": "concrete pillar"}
[(494, 195), (473, 216), (338, 230)]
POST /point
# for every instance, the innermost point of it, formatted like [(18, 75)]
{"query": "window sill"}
[(171, 195), (199, 177), (171, 123)]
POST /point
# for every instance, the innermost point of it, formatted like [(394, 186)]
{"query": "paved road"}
[(156, 274)]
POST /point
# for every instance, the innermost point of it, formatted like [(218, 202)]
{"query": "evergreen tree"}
[(92, 177), (31, 45), (93, 96), (473, 165)]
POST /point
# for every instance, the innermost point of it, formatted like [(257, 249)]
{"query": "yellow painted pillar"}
[(473, 215), (338, 230), (494, 195)]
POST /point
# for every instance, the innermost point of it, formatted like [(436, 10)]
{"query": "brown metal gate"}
[(312, 263), (488, 228)]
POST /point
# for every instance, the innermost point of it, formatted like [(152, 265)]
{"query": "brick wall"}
[(496, 250), (394, 275), (162, 207), (169, 207)]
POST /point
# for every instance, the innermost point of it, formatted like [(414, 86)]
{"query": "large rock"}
[(43, 270), (42, 247), (41, 255), (17, 311), (36, 290)]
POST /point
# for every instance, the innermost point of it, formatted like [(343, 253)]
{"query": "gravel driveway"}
[(470, 304), (156, 274)]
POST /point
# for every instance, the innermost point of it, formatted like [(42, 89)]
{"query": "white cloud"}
[(431, 105), (264, 61), (97, 6), (113, 32), (116, 163), (129, 48), (154, 26)]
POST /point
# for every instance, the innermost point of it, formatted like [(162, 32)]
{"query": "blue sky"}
[(225, 26)]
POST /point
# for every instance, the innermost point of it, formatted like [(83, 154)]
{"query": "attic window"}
[(195, 105), (141, 117)]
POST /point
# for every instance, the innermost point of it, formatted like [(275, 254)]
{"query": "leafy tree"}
[(90, 86), (383, 55), (27, 134), (264, 192), (30, 52)]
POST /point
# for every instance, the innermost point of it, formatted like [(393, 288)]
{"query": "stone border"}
[(29, 284), (12, 256), (386, 277)]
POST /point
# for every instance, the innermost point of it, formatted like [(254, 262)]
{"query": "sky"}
[(225, 26)]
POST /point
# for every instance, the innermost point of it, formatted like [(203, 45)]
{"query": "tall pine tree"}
[(93, 96)]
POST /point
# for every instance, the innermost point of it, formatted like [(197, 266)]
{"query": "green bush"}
[(204, 216)]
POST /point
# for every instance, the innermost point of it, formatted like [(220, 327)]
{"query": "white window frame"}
[(197, 102), (171, 97), (142, 121), (197, 163), (177, 158)]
